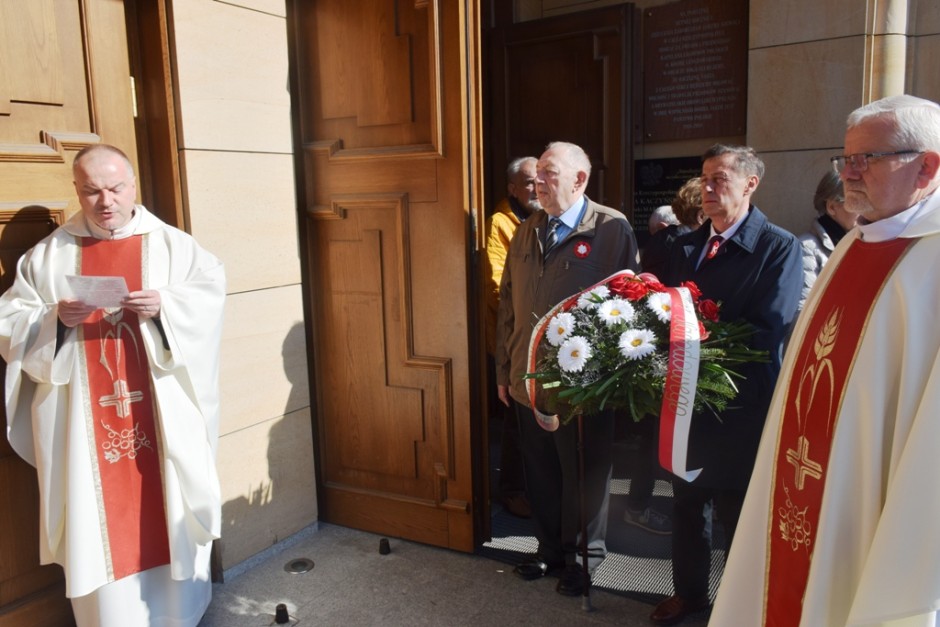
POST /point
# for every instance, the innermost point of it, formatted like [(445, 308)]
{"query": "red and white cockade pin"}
[(582, 250)]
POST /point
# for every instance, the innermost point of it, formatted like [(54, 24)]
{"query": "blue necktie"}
[(551, 238)]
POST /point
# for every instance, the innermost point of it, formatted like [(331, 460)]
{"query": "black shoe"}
[(571, 581), (674, 609), (534, 569)]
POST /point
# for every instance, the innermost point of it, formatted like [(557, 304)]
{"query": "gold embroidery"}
[(803, 464), (794, 528), (825, 343), (124, 443)]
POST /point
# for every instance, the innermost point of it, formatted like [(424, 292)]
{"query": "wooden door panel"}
[(386, 234), (32, 31), (381, 71), (64, 83), (388, 395), (566, 78)]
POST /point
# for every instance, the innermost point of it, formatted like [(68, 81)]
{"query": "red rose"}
[(631, 289), (654, 285), (693, 290), (708, 309), (618, 284), (702, 331)]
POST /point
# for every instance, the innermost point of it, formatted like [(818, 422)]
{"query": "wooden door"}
[(64, 83), (564, 78), (386, 158)]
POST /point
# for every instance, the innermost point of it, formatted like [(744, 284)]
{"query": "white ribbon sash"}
[(675, 417)]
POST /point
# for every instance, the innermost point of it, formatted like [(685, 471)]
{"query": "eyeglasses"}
[(715, 181), (859, 161)]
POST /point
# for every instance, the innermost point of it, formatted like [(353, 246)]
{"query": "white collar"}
[(729, 232), (119, 233), (891, 227)]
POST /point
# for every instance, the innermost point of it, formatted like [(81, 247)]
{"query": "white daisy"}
[(589, 300), (637, 343), (615, 310), (574, 353), (560, 328), (661, 304)]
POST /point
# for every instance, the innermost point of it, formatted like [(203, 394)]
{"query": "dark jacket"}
[(757, 277), (532, 285), (654, 258)]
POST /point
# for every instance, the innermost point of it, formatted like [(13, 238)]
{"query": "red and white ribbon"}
[(679, 385), (675, 417)]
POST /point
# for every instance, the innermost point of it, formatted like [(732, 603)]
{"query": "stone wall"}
[(237, 163)]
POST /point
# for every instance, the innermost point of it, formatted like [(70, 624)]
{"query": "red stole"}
[(126, 438), (811, 409)]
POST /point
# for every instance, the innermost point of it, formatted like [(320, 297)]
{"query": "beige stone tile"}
[(799, 95), (777, 22), (925, 17), (268, 485), (274, 7), (263, 370), (242, 208), (786, 192), (232, 68), (924, 82)]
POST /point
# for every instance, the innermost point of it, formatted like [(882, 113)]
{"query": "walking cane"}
[(586, 576)]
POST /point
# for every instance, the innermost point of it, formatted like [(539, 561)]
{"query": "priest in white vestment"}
[(839, 525), (112, 394)]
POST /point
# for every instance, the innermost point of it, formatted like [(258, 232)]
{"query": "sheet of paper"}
[(100, 291)]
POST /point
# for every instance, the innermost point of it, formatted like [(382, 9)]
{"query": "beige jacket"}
[(602, 244)]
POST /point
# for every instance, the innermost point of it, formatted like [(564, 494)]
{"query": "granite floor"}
[(352, 584)]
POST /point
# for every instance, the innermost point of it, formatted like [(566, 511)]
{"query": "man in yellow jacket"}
[(500, 227)]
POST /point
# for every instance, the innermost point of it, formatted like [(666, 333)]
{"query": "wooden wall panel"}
[(566, 78)]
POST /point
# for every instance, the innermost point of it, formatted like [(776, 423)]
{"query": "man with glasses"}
[(839, 523), (754, 269)]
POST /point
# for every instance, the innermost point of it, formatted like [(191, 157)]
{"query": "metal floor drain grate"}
[(299, 566)]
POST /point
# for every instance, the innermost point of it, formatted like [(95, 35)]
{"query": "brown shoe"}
[(674, 609), (517, 505)]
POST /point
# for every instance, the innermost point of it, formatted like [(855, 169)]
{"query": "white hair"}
[(574, 156), (664, 213), (916, 121), (515, 166)]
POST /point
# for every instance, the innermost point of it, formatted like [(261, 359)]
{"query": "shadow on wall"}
[(285, 501)]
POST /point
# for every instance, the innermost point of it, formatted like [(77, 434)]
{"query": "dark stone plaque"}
[(695, 69), (657, 181)]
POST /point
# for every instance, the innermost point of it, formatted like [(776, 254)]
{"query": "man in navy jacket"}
[(754, 269)]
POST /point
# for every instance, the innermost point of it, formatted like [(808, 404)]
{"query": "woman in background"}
[(831, 224)]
